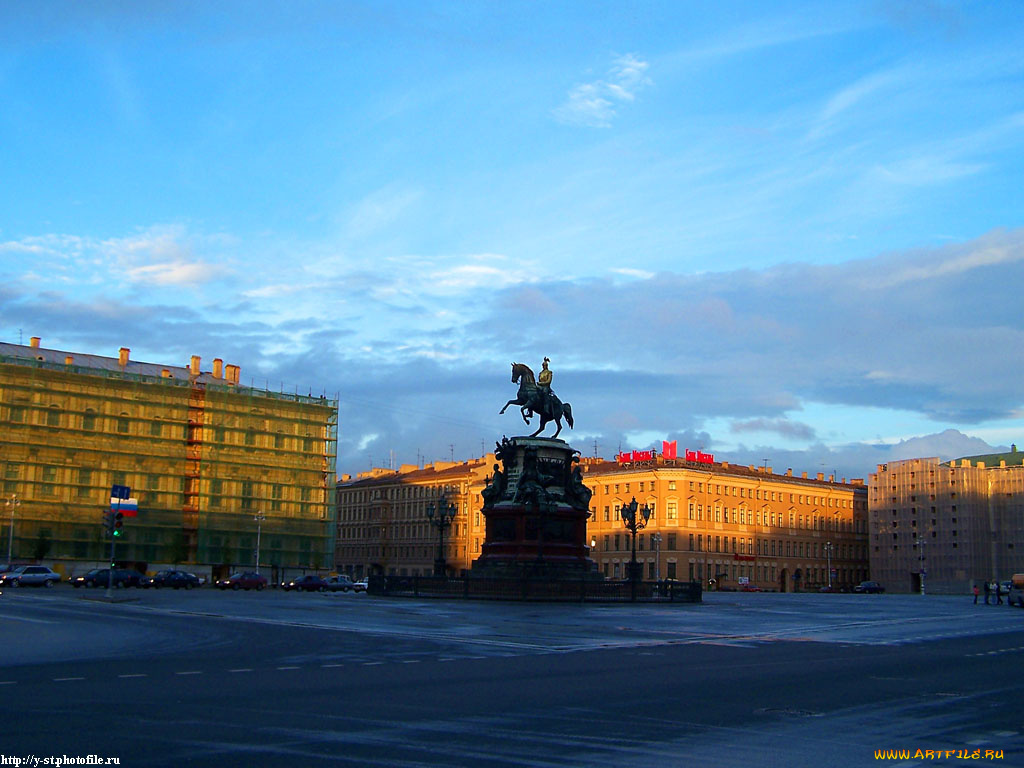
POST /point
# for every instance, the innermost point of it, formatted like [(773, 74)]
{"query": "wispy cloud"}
[(596, 103), (783, 427), (174, 273)]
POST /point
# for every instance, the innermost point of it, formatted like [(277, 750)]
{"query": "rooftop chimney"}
[(218, 368), (122, 356), (34, 342), (194, 365)]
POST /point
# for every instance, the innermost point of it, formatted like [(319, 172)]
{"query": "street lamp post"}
[(12, 503), (259, 517), (920, 550), (441, 518), (628, 513), (656, 541), (828, 561)]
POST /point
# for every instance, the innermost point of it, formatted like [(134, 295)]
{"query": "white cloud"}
[(642, 274), (174, 273), (595, 104)]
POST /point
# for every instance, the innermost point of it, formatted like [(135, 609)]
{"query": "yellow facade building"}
[(738, 526), (204, 455), (730, 526)]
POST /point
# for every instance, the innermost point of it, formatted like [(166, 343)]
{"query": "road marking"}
[(411, 661), (24, 618), (372, 663), (136, 675), (288, 667), (244, 669), (328, 666), (65, 679), (8, 682), (190, 672)]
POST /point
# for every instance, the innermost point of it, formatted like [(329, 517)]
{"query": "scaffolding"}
[(202, 457)]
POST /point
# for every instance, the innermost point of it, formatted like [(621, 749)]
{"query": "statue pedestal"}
[(536, 511)]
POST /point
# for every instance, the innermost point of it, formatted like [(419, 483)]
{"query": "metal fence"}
[(526, 589)]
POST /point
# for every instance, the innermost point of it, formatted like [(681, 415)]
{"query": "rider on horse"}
[(544, 392)]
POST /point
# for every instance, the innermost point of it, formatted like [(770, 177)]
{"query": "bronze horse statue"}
[(533, 399)]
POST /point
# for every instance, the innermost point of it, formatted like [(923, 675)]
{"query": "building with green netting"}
[(219, 469)]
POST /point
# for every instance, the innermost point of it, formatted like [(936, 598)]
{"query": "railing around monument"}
[(527, 589)]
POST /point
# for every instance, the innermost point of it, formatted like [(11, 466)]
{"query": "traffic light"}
[(118, 519), (108, 521)]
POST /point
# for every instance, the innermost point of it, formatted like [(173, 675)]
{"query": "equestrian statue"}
[(536, 398)]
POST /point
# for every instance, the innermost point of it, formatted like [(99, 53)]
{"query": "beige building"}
[(736, 525), (958, 523), (741, 526), (382, 518), (203, 454)]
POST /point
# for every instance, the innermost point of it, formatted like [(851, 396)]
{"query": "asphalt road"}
[(205, 678)]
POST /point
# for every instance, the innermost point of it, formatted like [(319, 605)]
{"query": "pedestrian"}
[(999, 596), (975, 594), (988, 591)]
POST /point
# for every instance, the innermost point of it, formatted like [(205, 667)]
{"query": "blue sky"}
[(773, 230)]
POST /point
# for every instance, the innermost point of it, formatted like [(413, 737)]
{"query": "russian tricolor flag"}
[(127, 507)]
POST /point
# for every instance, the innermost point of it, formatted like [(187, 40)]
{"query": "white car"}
[(29, 575), (341, 583)]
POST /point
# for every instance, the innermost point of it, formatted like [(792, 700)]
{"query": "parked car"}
[(174, 578), (243, 580), (97, 577), (29, 576), (869, 586), (308, 583), (341, 583), (362, 584)]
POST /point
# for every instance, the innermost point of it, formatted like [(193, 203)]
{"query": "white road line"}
[(8, 682), (244, 669), (372, 663), (288, 667), (190, 672), (136, 675), (411, 661), (25, 618), (328, 666), (65, 679)]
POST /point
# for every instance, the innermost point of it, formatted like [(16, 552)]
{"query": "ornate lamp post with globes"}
[(634, 523), (441, 518)]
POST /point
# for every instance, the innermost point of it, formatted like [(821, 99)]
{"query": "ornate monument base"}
[(536, 508)]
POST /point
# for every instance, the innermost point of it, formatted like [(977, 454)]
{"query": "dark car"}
[(243, 580), (98, 577), (1016, 594), (307, 583), (29, 576), (175, 579), (869, 587)]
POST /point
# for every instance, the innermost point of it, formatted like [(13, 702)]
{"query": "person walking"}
[(988, 591), (999, 596), (975, 594)]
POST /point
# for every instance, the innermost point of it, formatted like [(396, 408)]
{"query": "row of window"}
[(739, 491), (125, 424), (735, 545), (742, 516)]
